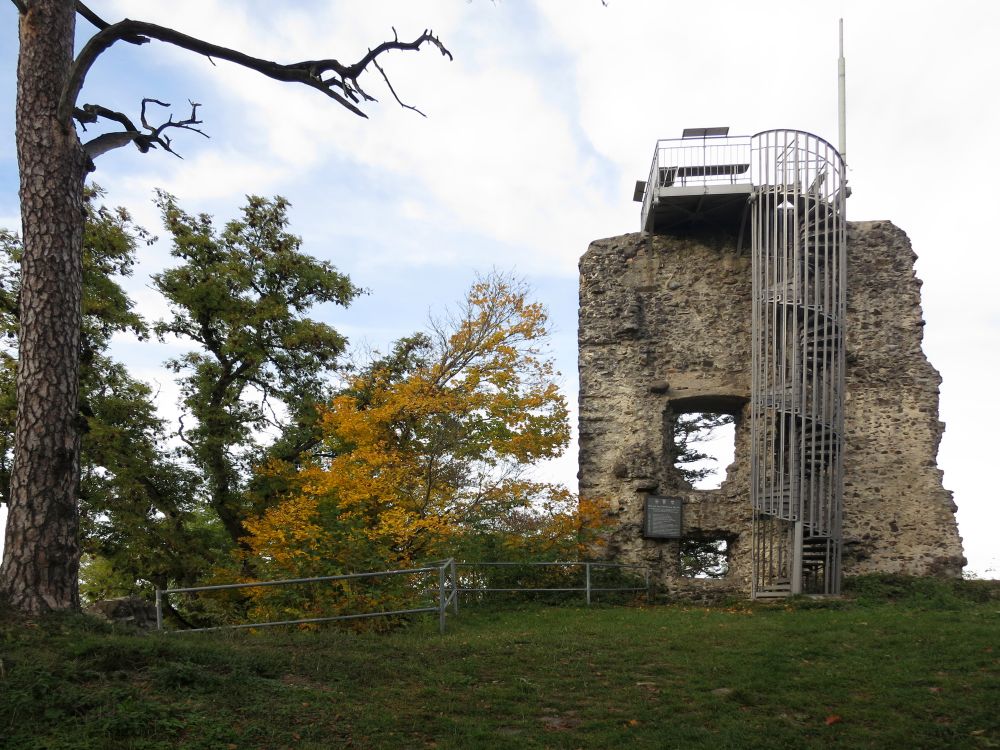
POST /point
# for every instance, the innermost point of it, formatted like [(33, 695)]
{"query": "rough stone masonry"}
[(665, 329)]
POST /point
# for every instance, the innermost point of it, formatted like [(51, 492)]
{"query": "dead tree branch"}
[(87, 13), (151, 137), (389, 83), (333, 78)]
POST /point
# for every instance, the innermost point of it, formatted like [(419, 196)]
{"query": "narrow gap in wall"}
[(705, 444), (704, 558)]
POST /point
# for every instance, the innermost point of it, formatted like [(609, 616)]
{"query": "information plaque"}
[(663, 517)]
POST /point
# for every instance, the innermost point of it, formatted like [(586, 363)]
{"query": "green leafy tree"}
[(242, 297), (110, 241), (140, 521), (143, 521), (704, 558)]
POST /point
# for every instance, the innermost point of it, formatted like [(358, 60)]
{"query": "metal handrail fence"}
[(445, 570), (588, 588), (448, 589)]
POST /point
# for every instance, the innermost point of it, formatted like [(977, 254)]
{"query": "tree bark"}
[(41, 554)]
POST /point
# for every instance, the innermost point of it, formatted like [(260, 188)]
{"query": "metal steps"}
[(776, 590)]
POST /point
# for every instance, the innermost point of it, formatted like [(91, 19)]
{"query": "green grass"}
[(907, 663)]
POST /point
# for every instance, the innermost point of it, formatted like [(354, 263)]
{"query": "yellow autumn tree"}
[(427, 452)]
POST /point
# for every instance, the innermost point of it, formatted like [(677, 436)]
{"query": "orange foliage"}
[(426, 453)]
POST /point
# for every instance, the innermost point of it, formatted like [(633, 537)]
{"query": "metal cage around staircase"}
[(798, 244)]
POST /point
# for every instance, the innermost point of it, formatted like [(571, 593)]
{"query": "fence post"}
[(587, 566), (441, 599), (159, 610), (454, 582)]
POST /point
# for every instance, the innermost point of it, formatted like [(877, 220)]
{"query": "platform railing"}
[(697, 163)]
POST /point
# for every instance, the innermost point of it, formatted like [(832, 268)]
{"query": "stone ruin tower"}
[(748, 293)]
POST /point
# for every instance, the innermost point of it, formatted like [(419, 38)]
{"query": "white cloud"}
[(210, 176)]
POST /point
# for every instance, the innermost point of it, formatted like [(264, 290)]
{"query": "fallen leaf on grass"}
[(833, 719), (934, 690)]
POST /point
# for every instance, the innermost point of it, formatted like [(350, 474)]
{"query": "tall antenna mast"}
[(842, 98)]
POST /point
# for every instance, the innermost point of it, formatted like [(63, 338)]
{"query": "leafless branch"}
[(110, 141), (87, 13), (152, 137), (92, 112), (395, 96), (333, 78)]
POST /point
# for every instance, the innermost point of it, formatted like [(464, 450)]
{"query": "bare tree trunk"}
[(41, 554)]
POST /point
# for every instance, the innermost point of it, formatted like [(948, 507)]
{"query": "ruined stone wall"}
[(665, 329), (897, 515)]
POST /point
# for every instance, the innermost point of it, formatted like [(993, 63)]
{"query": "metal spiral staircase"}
[(798, 241)]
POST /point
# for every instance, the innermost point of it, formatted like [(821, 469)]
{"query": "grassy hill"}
[(904, 663)]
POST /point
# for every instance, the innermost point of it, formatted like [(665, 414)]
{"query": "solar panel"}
[(704, 132)]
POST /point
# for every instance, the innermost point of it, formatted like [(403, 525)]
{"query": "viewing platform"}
[(700, 180), (705, 180)]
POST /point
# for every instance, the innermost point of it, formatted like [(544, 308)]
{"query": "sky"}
[(534, 137)]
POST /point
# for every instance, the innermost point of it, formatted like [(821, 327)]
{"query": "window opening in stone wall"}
[(704, 558), (705, 444)]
